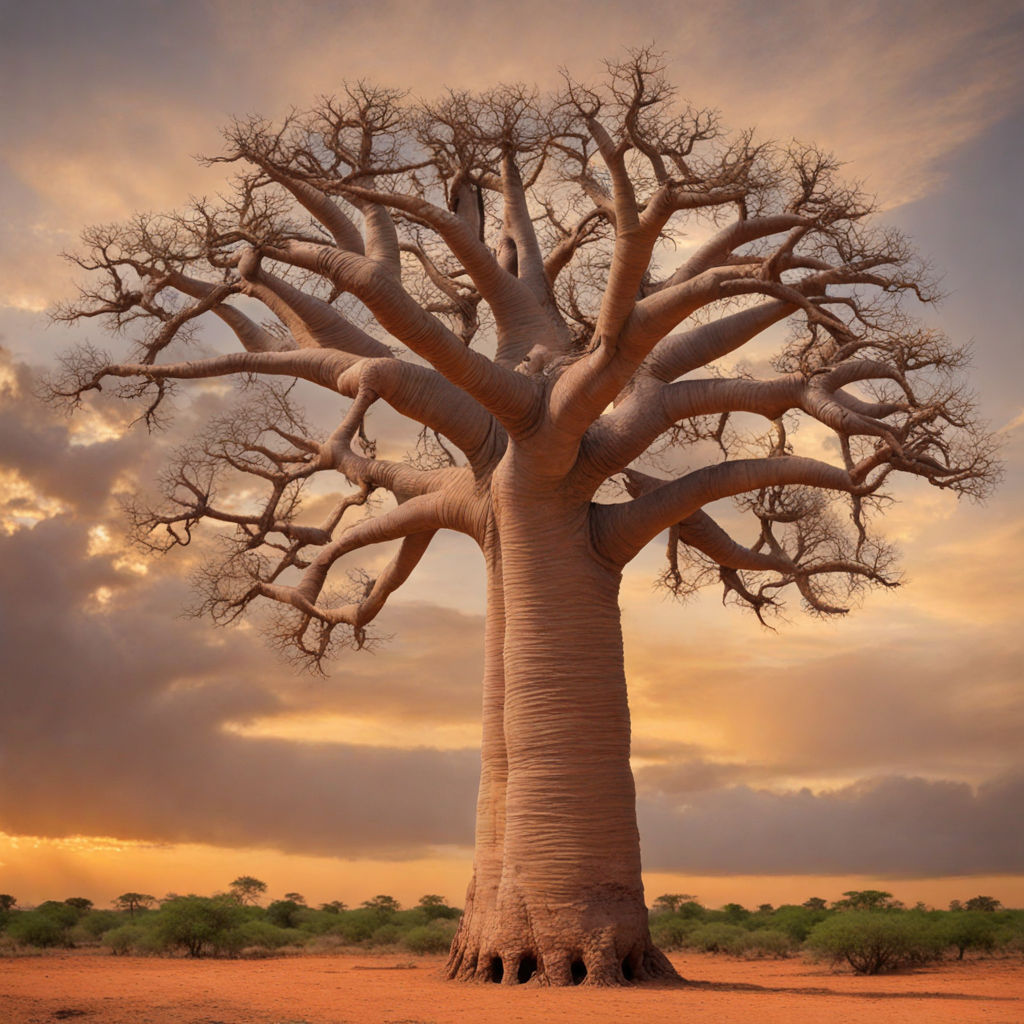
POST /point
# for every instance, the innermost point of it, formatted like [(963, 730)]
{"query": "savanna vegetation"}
[(231, 923), (868, 930)]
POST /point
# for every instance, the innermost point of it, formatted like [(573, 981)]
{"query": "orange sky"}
[(206, 758)]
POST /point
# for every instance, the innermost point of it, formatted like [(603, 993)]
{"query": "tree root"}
[(585, 964)]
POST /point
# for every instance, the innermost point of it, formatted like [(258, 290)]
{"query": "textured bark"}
[(583, 385), (557, 895), (482, 894)]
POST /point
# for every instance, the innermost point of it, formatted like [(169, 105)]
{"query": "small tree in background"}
[(132, 901), (247, 890), (735, 912), (386, 905), (7, 902), (871, 942), (670, 902), (815, 903), (969, 929), (80, 903), (868, 899), (985, 904), (436, 907), (295, 897), (194, 923), (283, 912), (334, 907)]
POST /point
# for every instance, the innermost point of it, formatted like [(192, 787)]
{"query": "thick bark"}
[(482, 895), (569, 906)]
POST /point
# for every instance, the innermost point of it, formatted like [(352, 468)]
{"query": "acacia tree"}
[(500, 269), (248, 889), (132, 901)]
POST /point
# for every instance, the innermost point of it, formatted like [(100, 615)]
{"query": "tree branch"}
[(506, 395), (621, 531)]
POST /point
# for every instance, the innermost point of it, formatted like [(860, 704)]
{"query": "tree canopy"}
[(525, 245)]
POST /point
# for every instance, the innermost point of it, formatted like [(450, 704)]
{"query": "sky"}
[(141, 749)]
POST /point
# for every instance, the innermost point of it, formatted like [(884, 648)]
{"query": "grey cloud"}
[(110, 725), (946, 701), (694, 776), (34, 442), (887, 827), (111, 717)]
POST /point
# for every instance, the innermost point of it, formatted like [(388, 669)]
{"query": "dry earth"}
[(101, 989)]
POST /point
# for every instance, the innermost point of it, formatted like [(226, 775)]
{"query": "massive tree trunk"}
[(569, 903)]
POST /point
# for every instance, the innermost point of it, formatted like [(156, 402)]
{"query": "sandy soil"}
[(384, 990)]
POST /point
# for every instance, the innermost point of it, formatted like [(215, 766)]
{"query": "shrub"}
[(871, 942), (718, 937), (123, 940), (671, 931), (95, 924), (320, 922), (356, 925), (1009, 938), (768, 942), (435, 907), (194, 923), (797, 922), (65, 915), (33, 928), (386, 935), (435, 937), (264, 935), (285, 913), (968, 929), (734, 913)]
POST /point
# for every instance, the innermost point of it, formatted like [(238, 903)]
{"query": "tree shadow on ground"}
[(736, 986)]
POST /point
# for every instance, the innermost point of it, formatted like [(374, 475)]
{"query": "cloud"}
[(111, 725), (888, 827), (904, 87), (114, 715)]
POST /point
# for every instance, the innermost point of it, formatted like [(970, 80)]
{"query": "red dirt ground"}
[(349, 989)]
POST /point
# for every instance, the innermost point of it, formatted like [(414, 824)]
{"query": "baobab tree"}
[(504, 270)]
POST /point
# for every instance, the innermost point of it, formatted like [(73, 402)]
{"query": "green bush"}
[(795, 921), (33, 928), (64, 914), (733, 939), (196, 923), (264, 935), (968, 929), (435, 937), (435, 908), (670, 931), (718, 937), (320, 922), (95, 924), (872, 941), (355, 926), (123, 940), (768, 942), (386, 935), (286, 913)]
